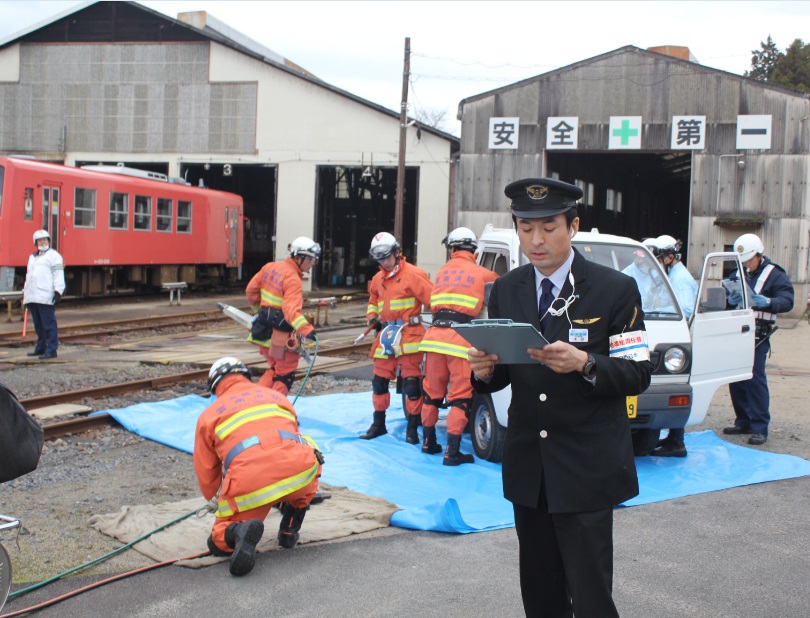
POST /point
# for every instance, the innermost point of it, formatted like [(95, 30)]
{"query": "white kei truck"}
[(692, 358)]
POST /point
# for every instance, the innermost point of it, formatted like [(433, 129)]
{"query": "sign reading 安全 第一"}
[(562, 132), (503, 133)]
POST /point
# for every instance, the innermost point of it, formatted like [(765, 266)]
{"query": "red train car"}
[(117, 228)]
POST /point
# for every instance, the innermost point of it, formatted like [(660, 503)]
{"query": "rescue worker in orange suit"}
[(249, 456), (458, 296), (277, 294), (396, 296)]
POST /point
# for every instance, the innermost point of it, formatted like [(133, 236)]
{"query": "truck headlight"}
[(675, 359)]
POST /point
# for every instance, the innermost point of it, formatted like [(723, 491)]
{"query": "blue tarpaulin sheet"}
[(460, 499)]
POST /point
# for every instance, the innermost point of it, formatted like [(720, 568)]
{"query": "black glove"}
[(56, 298), (375, 322), (311, 337)]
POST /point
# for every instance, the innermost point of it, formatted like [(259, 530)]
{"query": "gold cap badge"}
[(537, 192)]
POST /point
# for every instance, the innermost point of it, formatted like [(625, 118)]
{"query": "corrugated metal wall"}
[(132, 98), (771, 184)]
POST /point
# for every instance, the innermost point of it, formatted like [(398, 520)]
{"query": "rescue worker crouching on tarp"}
[(458, 296), (396, 296), (277, 294), (249, 456)]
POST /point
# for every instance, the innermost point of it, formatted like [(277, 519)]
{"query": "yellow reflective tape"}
[(251, 414), (276, 491), (224, 509), (271, 299), (461, 300), (372, 308), (410, 348), (299, 322), (399, 304), (449, 349)]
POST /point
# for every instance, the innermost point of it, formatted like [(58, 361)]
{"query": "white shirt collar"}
[(557, 277)]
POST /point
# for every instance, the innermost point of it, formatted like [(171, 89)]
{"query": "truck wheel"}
[(488, 436), (645, 441)]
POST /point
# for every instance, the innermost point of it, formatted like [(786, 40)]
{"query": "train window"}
[(2, 175), (183, 217), (84, 208), (164, 215), (143, 213), (28, 203), (119, 211)]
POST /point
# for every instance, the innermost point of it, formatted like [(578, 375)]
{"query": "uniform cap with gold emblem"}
[(538, 198)]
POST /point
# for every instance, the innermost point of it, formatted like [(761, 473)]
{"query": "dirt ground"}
[(102, 470)]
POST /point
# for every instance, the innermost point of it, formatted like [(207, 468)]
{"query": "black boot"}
[(243, 537), (377, 428), (291, 519), (411, 434), (452, 456), (429, 445)]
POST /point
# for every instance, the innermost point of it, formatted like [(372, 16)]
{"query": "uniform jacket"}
[(776, 286), (459, 286), (45, 275), (399, 297), (685, 286), (261, 474), (278, 285), (563, 430)]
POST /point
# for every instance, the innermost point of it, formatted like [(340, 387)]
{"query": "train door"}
[(50, 213), (232, 215)]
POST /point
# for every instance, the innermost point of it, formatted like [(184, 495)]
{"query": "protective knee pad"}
[(287, 379), (412, 388), (427, 400), (379, 385), (463, 404)]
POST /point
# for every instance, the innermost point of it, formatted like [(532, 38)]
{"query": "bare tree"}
[(432, 117)]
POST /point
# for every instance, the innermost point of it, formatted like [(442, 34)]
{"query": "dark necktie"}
[(546, 298)]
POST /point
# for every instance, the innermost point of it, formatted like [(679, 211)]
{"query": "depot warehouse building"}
[(659, 145), (118, 83)]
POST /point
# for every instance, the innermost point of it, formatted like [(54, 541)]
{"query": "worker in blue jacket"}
[(773, 294)]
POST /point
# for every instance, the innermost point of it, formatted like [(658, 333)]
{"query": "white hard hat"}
[(383, 245), (649, 243), (223, 367), (666, 245), (747, 246), (461, 238), (40, 234), (303, 246)]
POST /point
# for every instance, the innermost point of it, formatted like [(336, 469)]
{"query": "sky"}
[(461, 48)]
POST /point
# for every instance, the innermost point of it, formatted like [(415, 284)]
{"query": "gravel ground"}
[(98, 471)]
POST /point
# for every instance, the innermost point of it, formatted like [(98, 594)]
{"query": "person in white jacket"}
[(44, 286)]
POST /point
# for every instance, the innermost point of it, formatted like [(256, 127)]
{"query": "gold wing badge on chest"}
[(586, 321)]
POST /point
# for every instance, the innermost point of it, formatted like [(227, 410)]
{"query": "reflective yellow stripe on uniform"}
[(407, 348), (372, 308), (398, 304), (270, 493), (252, 414), (271, 299), (299, 322), (440, 347), (462, 300)]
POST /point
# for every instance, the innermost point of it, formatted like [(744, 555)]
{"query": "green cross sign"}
[(625, 133)]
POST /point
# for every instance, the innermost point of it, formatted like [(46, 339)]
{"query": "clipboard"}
[(508, 339), (736, 286)]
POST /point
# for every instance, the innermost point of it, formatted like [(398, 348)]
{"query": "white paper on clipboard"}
[(736, 286), (508, 339)]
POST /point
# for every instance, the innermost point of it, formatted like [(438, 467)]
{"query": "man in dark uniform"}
[(773, 293), (568, 456)]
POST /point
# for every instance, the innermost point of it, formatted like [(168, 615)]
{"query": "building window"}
[(143, 213), (119, 211), (84, 208), (590, 194), (613, 201), (164, 215), (183, 217)]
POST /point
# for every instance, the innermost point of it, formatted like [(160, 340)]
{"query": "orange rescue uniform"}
[(278, 285), (269, 461), (398, 295), (459, 287)]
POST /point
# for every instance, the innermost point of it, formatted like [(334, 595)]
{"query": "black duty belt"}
[(445, 318)]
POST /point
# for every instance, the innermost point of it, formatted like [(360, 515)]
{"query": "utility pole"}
[(403, 129)]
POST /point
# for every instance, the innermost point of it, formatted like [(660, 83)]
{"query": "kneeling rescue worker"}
[(396, 296), (458, 296), (249, 456), (276, 293)]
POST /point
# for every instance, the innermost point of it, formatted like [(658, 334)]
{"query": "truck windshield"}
[(657, 299)]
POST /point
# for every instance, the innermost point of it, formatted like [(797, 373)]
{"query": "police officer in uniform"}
[(568, 458), (773, 294)]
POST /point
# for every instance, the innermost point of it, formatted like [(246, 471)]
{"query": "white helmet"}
[(383, 245), (41, 234), (223, 367), (303, 246), (667, 245), (650, 244), (461, 238), (747, 246)]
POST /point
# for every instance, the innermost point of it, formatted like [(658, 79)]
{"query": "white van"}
[(691, 358)]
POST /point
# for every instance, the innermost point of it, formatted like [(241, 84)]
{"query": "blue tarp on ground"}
[(466, 498)]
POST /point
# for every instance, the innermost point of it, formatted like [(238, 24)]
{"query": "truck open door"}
[(722, 335)]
